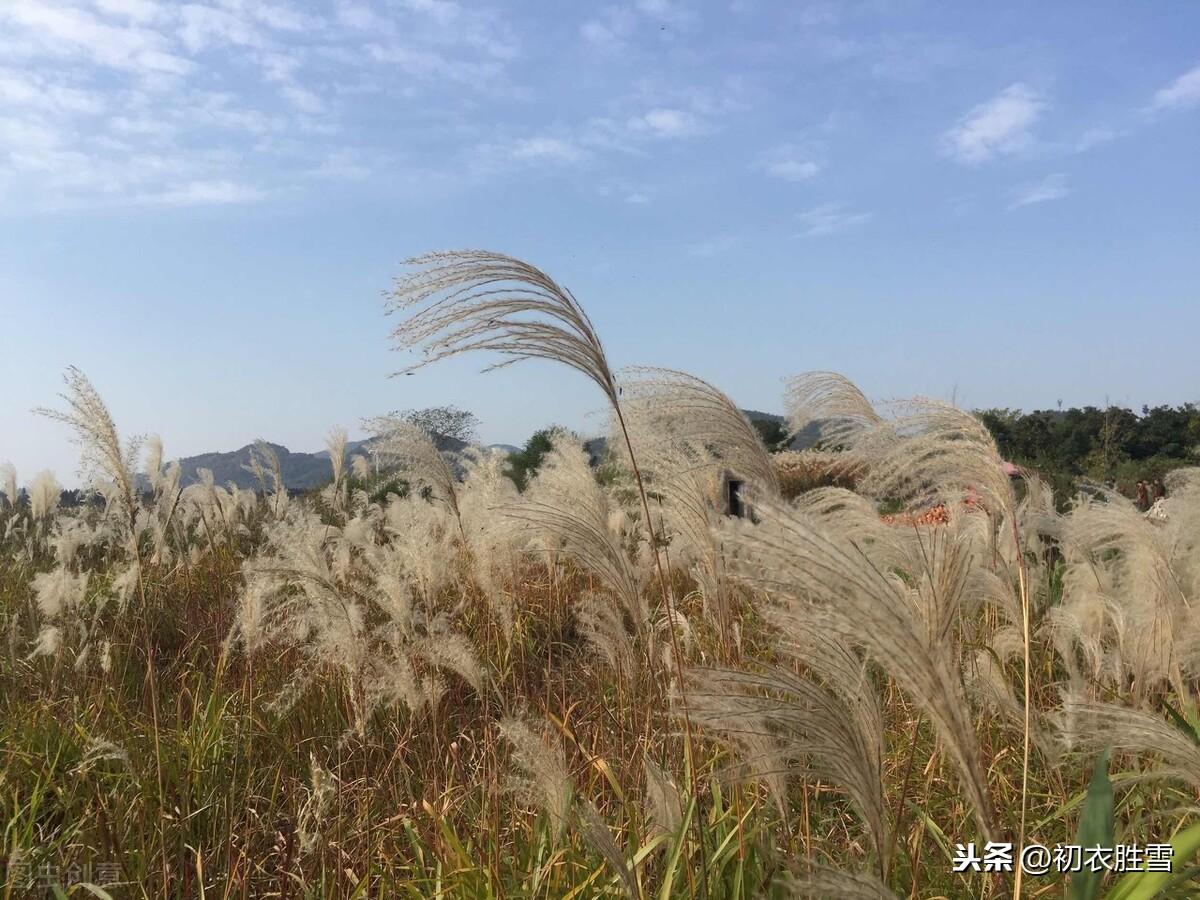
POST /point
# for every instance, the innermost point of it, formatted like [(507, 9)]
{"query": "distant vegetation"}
[(1112, 446)]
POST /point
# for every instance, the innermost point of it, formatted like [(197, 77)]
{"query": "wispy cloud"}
[(204, 193), (998, 127), (71, 31), (1052, 187), (671, 11), (111, 101), (789, 162), (1094, 137), (610, 29), (667, 123), (633, 193), (545, 148), (1184, 91), (830, 218)]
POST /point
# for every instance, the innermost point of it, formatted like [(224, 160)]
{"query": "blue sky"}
[(201, 203)]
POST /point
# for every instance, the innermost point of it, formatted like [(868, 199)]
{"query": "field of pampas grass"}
[(420, 681)]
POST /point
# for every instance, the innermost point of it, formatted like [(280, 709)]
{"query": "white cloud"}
[(20, 135), (280, 18), (666, 123), (998, 127), (790, 163), (669, 11), (1094, 137), (357, 15), (344, 165), (204, 193), (547, 148), (137, 10), (35, 91), (830, 218), (610, 29), (633, 193), (1052, 187), (204, 26), (429, 64), (1184, 91), (793, 169), (68, 31), (304, 100), (505, 155), (444, 11), (181, 102)]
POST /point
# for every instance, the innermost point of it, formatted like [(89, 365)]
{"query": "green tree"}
[(524, 463)]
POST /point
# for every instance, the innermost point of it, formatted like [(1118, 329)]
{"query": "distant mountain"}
[(301, 471), (755, 415), (304, 471)]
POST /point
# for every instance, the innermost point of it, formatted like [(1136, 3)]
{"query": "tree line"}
[(1114, 445)]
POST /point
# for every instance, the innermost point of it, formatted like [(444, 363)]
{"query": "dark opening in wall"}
[(733, 499)]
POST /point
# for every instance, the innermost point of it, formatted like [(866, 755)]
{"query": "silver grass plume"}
[(546, 784), (360, 466), (49, 640), (468, 300), (688, 436), (568, 511), (1091, 725), (935, 453), (824, 882), (43, 496), (944, 581), (461, 301), (164, 482), (336, 493), (1130, 589), (99, 443), (483, 495), (830, 586), (412, 449), (100, 750), (420, 544), (829, 402), (319, 796), (686, 485), (264, 465), (928, 452), (355, 600), (595, 831), (664, 801), (8, 483), (154, 460), (674, 407), (827, 723)]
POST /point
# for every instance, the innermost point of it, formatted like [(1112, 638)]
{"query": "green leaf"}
[(1095, 828), (1144, 885), (1182, 723), (668, 876)]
